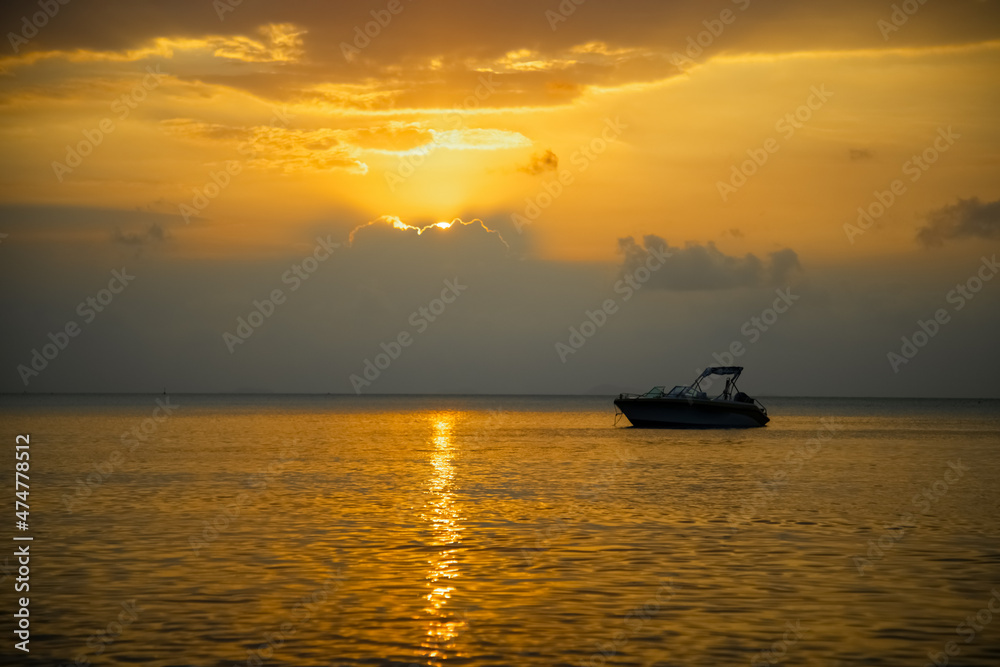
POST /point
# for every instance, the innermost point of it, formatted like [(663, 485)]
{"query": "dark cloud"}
[(783, 265), (598, 44), (499, 336), (705, 267), (140, 238), (861, 154), (44, 224), (541, 163), (969, 218), (434, 25), (166, 328)]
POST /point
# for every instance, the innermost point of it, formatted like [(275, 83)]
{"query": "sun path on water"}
[(396, 223)]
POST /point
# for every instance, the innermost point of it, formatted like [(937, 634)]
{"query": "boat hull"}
[(690, 413)]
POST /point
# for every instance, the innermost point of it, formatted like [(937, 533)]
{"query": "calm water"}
[(505, 531)]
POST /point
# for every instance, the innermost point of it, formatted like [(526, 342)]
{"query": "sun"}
[(399, 224), (396, 223)]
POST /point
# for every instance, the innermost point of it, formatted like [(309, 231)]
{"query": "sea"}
[(226, 530)]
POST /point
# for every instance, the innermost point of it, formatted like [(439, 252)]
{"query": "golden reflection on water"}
[(446, 523)]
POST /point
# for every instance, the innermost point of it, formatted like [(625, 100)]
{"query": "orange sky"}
[(740, 130), (439, 136)]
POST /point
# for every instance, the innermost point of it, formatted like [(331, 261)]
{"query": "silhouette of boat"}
[(690, 407)]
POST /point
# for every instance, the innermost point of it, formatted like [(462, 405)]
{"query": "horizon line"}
[(452, 395)]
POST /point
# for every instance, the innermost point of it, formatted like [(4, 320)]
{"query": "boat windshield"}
[(681, 391), (655, 392)]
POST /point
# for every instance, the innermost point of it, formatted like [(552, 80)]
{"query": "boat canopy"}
[(721, 370), (730, 387)]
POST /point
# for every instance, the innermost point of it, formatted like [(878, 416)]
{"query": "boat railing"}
[(753, 401)]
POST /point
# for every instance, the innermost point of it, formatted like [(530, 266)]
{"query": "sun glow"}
[(399, 224), (396, 223)]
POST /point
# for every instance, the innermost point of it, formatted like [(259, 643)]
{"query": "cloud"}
[(784, 263), (479, 139), (497, 337), (74, 227), (281, 43), (304, 150), (705, 267), (288, 150), (369, 96), (378, 227), (155, 233), (435, 58), (969, 218), (591, 55), (322, 149), (861, 154), (540, 163), (391, 137)]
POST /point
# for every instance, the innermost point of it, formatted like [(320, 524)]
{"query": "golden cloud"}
[(279, 148), (281, 43)]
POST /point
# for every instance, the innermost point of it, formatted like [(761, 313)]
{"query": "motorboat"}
[(689, 406)]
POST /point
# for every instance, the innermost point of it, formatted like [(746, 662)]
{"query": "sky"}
[(410, 196)]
